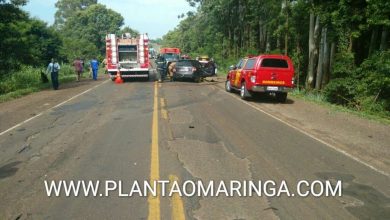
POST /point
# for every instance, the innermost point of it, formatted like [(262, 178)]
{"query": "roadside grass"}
[(319, 98), (28, 80)]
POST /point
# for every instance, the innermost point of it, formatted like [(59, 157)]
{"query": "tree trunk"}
[(325, 77), (331, 61), (265, 34), (320, 65), (374, 36), (384, 37), (298, 70), (350, 47), (260, 33), (267, 45), (313, 50), (286, 34)]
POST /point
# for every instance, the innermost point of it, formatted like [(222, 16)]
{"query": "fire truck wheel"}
[(281, 97), (244, 93), (228, 86)]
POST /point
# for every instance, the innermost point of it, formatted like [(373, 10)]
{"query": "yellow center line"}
[(177, 202), (154, 201), (164, 112)]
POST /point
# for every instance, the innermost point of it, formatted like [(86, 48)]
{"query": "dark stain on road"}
[(374, 204), (24, 148), (9, 169), (76, 106)]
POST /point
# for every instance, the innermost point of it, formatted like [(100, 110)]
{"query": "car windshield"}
[(185, 63)]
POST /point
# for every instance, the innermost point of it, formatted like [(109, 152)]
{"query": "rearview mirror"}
[(232, 67)]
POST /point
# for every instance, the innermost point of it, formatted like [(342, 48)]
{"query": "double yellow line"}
[(154, 201)]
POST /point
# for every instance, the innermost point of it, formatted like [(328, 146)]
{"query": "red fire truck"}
[(127, 54)]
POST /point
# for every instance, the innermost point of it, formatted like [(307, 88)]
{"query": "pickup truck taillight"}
[(253, 79), (292, 81)]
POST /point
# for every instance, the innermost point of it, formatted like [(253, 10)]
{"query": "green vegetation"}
[(27, 44), (28, 80), (339, 48), (319, 98)]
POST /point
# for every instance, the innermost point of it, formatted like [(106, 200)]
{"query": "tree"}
[(69, 8), (89, 27), (14, 2), (23, 40), (378, 18), (128, 29)]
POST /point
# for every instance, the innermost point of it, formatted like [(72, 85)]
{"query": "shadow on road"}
[(9, 169)]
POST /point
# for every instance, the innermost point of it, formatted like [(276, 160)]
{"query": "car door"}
[(237, 78)]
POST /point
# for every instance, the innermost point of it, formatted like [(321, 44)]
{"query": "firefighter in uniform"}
[(171, 70), (95, 67)]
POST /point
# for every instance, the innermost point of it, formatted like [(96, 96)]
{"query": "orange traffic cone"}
[(118, 78)]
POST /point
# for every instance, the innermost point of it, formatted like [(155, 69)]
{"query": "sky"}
[(155, 17)]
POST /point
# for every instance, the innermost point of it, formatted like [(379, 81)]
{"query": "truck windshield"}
[(171, 56), (275, 63)]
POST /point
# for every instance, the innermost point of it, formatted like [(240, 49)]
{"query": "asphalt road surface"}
[(176, 131)]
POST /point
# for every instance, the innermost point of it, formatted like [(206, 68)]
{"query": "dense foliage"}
[(24, 40), (338, 47), (78, 31), (84, 33)]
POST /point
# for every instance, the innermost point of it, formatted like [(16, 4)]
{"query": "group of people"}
[(78, 64), (79, 67)]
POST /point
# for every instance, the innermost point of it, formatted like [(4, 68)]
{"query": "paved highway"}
[(181, 131)]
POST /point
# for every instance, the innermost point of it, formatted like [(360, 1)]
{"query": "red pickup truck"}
[(264, 73)]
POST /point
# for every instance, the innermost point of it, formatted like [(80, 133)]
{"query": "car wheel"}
[(281, 97), (228, 86), (244, 93)]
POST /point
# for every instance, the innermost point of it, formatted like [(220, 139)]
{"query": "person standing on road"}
[(171, 70), (104, 62), (95, 67), (78, 68), (53, 68), (213, 66)]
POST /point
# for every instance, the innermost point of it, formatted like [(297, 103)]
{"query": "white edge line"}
[(47, 110), (308, 134)]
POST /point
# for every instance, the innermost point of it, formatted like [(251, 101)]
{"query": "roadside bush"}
[(366, 88), (66, 70), (30, 78), (26, 77), (341, 91), (374, 80)]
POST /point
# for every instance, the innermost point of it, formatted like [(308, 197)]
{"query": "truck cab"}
[(165, 58), (272, 74)]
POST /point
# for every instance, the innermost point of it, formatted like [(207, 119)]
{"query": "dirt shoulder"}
[(21, 109), (364, 139)]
